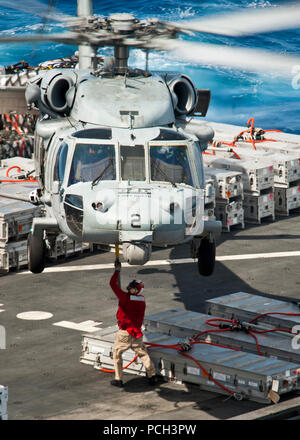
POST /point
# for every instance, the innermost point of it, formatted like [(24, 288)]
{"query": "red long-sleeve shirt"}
[(131, 310)]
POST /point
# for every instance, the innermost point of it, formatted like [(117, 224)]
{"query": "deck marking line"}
[(85, 326), (34, 315), (169, 262)]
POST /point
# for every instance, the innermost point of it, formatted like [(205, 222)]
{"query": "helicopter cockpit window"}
[(60, 163), (132, 162), (170, 163), (91, 161)]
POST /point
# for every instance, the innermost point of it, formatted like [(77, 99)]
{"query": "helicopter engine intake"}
[(184, 94), (54, 88)]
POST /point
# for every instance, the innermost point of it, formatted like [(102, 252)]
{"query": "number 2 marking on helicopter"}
[(135, 221)]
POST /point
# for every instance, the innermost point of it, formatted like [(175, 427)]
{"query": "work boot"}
[(117, 383), (152, 380)]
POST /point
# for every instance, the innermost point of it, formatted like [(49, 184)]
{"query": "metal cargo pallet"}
[(227, 183), (3, 402), (15, 254), (97, 350), (16, 219), (282, 147), (230, 212), (64, 246), (245, 375), (246, 307), (286, 165), (257, 176), (258, 207), (25, 164), (184, 323), (287, 199), (16, 216)]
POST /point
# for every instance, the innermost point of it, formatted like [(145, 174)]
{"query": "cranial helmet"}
[(136, 284)]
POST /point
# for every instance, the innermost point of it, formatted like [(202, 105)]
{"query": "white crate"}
[(286, 165), (25, 164), (257, 207), (13, 255), (64, 246), (257, 175), (287, 199), (3, 402), (230, 213), (228, 184), (16, 219)]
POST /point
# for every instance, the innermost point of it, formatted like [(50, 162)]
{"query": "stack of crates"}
[(286, 162), (65, 247), (16, 220), (3, 402), (15, 224), (229, 196), (258, 182)]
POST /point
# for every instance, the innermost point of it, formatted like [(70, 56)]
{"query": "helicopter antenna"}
[(85, 52)]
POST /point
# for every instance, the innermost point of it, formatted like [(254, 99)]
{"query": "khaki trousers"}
[(123, 342)]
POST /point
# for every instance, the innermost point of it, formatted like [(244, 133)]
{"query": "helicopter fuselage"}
[(114, 164)]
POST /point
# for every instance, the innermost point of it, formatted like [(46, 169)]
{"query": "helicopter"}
[(118, 150)]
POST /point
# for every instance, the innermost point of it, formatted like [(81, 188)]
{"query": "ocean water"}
[(237, 95)]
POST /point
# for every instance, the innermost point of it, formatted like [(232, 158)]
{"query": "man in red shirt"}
[(130, 316)]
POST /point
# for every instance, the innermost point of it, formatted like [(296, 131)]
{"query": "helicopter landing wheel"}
[(36, 249), (206, 257)]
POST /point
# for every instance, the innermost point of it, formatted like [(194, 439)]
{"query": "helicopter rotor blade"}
[(66, 38), (246, 22), (34, 7), (227, 56), (70, 38)]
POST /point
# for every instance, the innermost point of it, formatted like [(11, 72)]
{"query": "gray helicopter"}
[(118, 150)]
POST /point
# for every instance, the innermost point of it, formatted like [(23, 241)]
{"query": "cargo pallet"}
[(16, 220), (283, 153), (286, 177), (223, 361), (258, 184), (229, 196)]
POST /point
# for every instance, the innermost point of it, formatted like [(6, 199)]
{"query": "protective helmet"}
[(136, 284)]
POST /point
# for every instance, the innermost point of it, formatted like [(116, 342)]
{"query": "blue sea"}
[(237, 95)]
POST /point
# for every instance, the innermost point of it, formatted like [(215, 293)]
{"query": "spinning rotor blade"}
[(246, 22), (36, 8), (66, 38), (233, 57), (71, 38)]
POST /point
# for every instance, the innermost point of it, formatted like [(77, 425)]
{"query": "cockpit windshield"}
[(170, 163), (93, 161)]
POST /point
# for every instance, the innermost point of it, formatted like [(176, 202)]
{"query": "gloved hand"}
[(118, 266)]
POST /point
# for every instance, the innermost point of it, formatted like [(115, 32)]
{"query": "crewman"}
[(130, 316)]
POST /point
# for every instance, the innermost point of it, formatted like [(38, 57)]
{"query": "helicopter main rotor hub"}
[(122, 23)]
